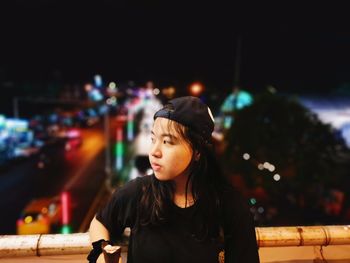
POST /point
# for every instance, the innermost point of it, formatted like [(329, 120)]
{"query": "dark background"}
[(294, 48)]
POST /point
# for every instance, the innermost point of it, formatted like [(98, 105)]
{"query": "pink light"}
[(73, 133), (130, 116), (65, 208), (119, 134), (88, 87), (20, 222)]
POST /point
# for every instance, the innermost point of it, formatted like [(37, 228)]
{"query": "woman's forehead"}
[(166, 126)]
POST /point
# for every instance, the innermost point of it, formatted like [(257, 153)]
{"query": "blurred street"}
[(80, 171)]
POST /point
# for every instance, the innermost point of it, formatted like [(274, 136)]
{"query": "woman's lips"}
[(156, 167)]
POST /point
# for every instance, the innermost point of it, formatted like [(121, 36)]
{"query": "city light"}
[(276, 177), (112, 85), (66, 229), (88, 87), (112, 101), (65, 202), (261, 210), (269, 166), (28, 219), (119, 148), (252, 201), (196, 88), (260, 166), (98, 81), (169, 92), (266, 165), (65, 208), (130, 126), (246, 156), (112, 89), (156, 91)]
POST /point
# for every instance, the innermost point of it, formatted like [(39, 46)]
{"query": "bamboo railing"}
[(79, 243), (302, 236)]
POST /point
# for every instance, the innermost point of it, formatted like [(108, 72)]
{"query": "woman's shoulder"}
[(133, 188), (139, 181)]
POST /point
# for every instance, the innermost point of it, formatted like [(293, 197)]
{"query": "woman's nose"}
[(155, 151)]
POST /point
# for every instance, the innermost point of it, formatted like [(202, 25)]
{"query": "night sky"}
[(292, 48)]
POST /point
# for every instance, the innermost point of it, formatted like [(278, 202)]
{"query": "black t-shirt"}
[(175, 240)]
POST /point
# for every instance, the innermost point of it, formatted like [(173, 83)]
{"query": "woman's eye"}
[(152, 140), (167, 142)]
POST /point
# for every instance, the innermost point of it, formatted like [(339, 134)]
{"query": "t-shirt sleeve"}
[(120, 211), (239, 230)]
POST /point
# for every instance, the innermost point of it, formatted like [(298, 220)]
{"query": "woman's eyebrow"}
[(165, 135)]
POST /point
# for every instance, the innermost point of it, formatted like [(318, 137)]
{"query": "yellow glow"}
[(156, 91), (169, 91), (196, 88), (28, 219), (112, 85)]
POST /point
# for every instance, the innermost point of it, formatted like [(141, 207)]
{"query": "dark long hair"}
[(205, 178)]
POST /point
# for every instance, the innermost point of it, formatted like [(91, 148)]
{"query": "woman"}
[(185, 211)]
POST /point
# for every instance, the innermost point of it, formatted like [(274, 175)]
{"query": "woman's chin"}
[(160, 177)]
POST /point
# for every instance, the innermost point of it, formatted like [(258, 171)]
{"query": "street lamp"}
[(196, 88)]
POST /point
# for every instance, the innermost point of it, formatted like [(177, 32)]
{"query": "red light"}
[(65, 208), (119, 134), (45, 220), (20, 222)]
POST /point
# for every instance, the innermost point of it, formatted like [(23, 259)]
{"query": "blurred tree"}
[(281, 147)]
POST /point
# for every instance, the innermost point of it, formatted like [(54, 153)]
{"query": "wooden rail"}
[(302, 236), (79, 243)]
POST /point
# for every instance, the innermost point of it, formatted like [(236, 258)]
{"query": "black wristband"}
[(96, 250)]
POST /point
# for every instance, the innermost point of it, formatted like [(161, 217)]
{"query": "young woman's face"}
[(170, 154)]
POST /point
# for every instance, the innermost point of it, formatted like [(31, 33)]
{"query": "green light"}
[(130, 130), (119, 149), (66, 229), (130, 125), (252, 201)]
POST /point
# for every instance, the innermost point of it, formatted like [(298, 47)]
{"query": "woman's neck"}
[(182, 201), (182, 196)]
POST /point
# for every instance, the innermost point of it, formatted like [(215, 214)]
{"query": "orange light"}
[(169, 92), (88, 87), (196, 88)]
